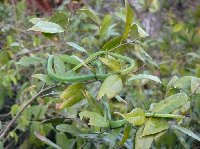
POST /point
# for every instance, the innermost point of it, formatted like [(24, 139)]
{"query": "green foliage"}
[(89, 59)]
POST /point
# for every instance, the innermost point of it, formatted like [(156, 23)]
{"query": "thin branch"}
[(132, 41), (6, 129)]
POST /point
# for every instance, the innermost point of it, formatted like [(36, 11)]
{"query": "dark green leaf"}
[(112, 43), (127, 130), (93, 103), (129, 18), (181, 139)]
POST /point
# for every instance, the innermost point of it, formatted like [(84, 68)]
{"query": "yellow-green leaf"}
[(95, 118), (111, 62), (135, 117), (110, 87), (170, 104), (142, 142), (155, 125)]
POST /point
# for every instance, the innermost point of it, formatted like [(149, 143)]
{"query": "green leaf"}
[(110, 87), (46, 27), (111, 62), (91, 14), (47, 141), (171, 84), (1, 145), (127, 130), (59, 65), (93, 103), (178, 27), (171, 103), (106, 23), (142, 142), (60, 18), (112, 43), (155, 125), (64, 142), (69, 59), (195, 85), (181, 139), (95, 118), (14, 110), (72, 95), (135, 117), (35, 20), (4, 58), (137, 31), (129, 18), (186, 131), (26, 61), (113, 137), (77, 47), (144, 76), (183, 82), (43, 77), (69, 129)]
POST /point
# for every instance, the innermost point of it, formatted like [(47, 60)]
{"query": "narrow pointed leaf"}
[(43, 77), (46, 27), (77, 47), (47, 141), (187, 131), (91, 14), (127, 130), (129, 18), (144, 76)]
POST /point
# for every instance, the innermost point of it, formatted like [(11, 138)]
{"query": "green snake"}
[(92, 57)]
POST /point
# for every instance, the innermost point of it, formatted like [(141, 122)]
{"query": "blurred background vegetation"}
[(174, 43)]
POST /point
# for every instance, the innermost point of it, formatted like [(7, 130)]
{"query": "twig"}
[(37, 49), (132, 41), (93, 139), (6, 129)]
